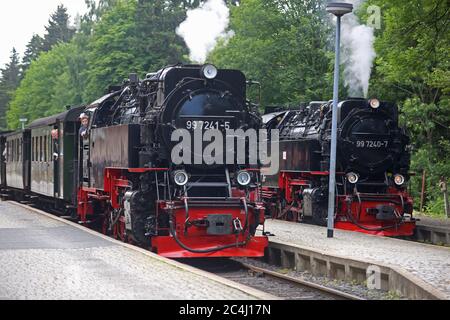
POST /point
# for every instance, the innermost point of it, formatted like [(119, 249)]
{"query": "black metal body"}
[(132, 126), (370, 141), (113, 147)]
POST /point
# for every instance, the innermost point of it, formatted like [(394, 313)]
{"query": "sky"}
[(20, 19)]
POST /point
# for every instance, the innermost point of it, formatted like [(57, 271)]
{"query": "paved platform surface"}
[(46, 259), (427, 262)]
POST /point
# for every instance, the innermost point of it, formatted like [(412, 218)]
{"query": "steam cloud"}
[(358, 53), (203, 27)]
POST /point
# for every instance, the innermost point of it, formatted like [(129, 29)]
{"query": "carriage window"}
[(50, 153), (40, 149), (45, 148), (13, 150), (32, 149), (36, 150), (19, 153), (20, 149)]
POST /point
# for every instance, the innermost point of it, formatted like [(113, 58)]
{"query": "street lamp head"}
[(339, 8)]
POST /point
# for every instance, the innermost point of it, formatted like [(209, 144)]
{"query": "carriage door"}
[(2, 161), (56, 155), (26, 159), (85, 160)]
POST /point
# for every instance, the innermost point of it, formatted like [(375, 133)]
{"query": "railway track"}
[(280, 285)]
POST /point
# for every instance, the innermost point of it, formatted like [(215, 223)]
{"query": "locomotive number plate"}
[(373, 144), (208, 125)]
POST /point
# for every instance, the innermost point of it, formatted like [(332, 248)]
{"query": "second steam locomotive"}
[(373, 162)]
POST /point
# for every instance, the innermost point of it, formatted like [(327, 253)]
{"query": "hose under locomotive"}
[(211, 250)]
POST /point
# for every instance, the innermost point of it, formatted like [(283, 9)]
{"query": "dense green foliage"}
[(48, 86), (283, 44), (287, 45), (134, 36), (33, 50), (116, 38), (413, 68), (9, 81), (58, 29)]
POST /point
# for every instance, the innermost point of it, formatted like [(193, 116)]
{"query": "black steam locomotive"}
[(372, 167), (118, 173)]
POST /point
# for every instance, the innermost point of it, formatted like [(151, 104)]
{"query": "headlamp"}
[(180, 178), (399, 179), (209, 71), (352, 177), (244, 178), (375, 103)]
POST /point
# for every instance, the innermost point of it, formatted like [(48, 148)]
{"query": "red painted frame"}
[(116, 180), (290, 183)]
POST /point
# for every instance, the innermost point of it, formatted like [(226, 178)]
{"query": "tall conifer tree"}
[(58, 28), (9, 81)]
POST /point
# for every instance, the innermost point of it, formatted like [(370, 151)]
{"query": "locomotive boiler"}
[(373, 162), (130, 184)]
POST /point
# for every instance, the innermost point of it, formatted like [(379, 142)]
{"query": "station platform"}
[(46, 258), (429, 221), (429, 263)]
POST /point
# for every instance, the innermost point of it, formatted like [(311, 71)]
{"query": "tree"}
[(283, 44), (133, 36), (96, 8), (51, 83), (413, 68), (34, 48), (156, 41), (58, 29), (111, 56), (9, 81)]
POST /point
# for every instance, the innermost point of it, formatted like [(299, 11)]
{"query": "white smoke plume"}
[(358, 53), (203, 27)]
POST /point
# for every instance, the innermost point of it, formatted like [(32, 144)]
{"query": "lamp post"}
[(338, 9), (23, 121)]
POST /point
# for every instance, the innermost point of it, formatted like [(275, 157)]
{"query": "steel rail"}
[(334, 292)]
